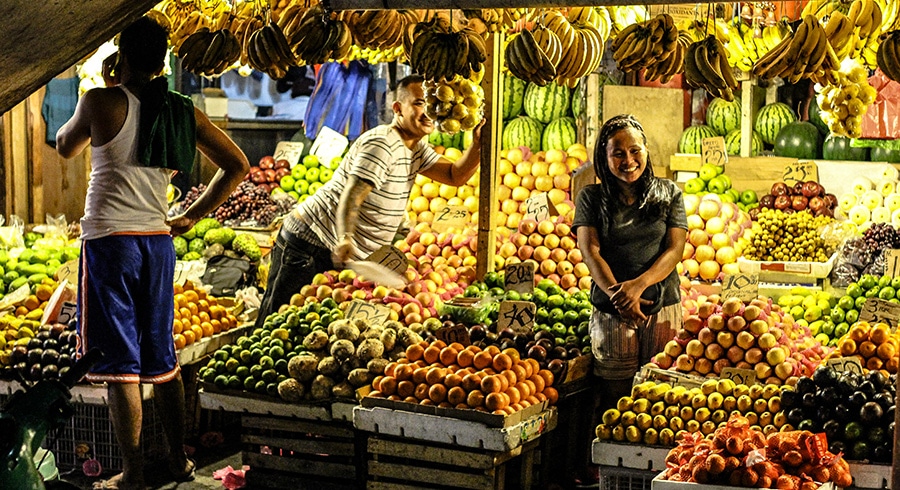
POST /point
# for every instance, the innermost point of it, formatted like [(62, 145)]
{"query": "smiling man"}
[(363, 205)]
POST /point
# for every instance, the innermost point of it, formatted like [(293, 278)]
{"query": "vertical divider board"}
[(491, 139)]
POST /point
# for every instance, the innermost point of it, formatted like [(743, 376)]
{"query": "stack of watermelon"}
[(547, 123)]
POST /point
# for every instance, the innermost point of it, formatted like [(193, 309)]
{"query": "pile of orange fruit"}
[(198, 315), (34, 305), (454, 376), (876, 347)]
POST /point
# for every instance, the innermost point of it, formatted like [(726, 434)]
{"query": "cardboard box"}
[(788, 272)]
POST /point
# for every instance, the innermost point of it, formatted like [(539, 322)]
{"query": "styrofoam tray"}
[(871, 475), (607, 453), (447, 430), (780, 271)]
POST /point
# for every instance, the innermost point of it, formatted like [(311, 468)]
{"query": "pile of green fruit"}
[(712, 179), (778, 235), (32, 266), (306, 178), (846, 312), (208, 238), (813, 309)]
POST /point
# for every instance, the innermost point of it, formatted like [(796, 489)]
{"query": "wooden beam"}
[(491, 133), (43, 38), (486, 4)]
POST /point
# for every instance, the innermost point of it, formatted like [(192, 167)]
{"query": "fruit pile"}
[(809, 195), (47, 354), (755, 336), (813, 309), (428, 198), (33, 266), (455, 105), (712, 179), (792, 459), (871, 201), (788, 236), (454, 376), (550, 245), (845, 102), (305, 178), (208, 238), (875, 346), (718, 232), (248, 205), (198, 315), (848, 307), (855, 411), (660, 414), (268, 172)]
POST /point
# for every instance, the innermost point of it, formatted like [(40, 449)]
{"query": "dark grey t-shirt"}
[(631, 245)]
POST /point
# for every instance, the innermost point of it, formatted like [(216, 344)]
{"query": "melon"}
[(799, 139), (814, 114), (723, 116), (559, 134), (577, 101), (513, 96), (733, 143), (548, 102), (879, 154), (692, 138), (522, 131), (771, 118), (838, 147)]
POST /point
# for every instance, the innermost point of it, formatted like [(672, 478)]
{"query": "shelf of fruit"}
[(249, 205), (718, 233)]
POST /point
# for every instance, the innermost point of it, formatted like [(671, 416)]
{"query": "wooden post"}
[(490, 155), (747, 116), (17, 161), (593, 119)]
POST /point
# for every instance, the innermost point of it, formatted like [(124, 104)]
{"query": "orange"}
[(432, 354), (475, 399), (403, 372), (43, 292), (207, 329), (874, 364), (437, 393), (192, 307), (457, 346), (512, 353), (513, 393), (496, 401), (471, 382), (216, 325), (204, 316), (456, 396), (188, 285), (510, 376), (203, 305), (376, 383), (389, 368), (198, 331), (886, 351), (31, 302), (539, 383), (493, 350), (426, 401), (474, 348), (177, 289), (879, 333), (452, 380), (185, 313), (847, 347), (491, 384), (420, 364), (440, 344), (483, 359), (462, 406), (548, 377), (191, 295), (406, 389), (388, 385), (179, 341), (448, 355), (188, 335), (465, 358), (180, 301), (859, 332), (867, 349), (535, 366), (421, 391), (552, 395), (524, 389), (435, 375), (177, 327), (212, 300), (412, 399), (195, 320), (418, 375), (502, 362), (520, 371), (22, 311), (414, 352)]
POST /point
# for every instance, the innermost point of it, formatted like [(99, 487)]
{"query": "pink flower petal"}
[(220, 474)]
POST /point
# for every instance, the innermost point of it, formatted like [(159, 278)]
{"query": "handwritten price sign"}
[(892, 262), (390, 257), (517, 315), (877, 310), (68, 271), (712, 150), (450, 217), (739, 376), (845, 365), (456, 333), (744, 287), (368, 311), (67, 313), (520, 277), (329, 144), (290, 151), (800, 172), (539, 207)]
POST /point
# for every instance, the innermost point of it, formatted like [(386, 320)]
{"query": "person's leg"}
[(169, 400), (126, 416), (294, 264)]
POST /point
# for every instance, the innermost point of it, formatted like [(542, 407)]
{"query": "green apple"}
[(301, 187), (720, 169), (725, 179), (294, 194), (310, 161), (749, 196), (708, 171), (276, 191), (716, 184), (695, 185), (303, 198), (287, 183), (298, 172), (313, 187), (312, 174), (325, 174), (335, 163)]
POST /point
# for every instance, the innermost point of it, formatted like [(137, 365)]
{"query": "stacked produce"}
[(804, 54), (469, 378), (652, 45), (319, 37), (551, 246), (874, 346), (658, 413), (440, 52), (816, 310), (873, 201), (378, 30), (35, 266), (305, 178), (757, 336), (208, 238), (742, 44), (855, 411), (802, 196), (771, 118), (248, 205), (46, 354), (845, 99), (713, 180), (778, 235), (455, 104), (718, 232), (198, 315), (849, 306), (210, 52), (706, 66), (864, 254), (791, 461)]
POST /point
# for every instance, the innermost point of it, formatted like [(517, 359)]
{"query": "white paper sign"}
[(329, 144)]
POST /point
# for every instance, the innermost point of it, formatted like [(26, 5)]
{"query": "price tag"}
[(456, 333), (67, 313), (744, 287), (517, 315), (539, 207), (712, 150), (68, 271), (450, 217), (290, 151), (520, 277), (800, 172), (367, 311), (390, 257), (817, 445), (892, 262), (739, 376), (877, 310), (845, 364), (329, 144)]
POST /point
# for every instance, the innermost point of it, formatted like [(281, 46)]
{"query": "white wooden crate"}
[(231, 403), (871, 475), (448, 430), (606, 453)]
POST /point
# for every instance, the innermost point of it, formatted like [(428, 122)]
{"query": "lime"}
[(267, 362), (540, 297), (887, 292), (555, 301), (513, 295)]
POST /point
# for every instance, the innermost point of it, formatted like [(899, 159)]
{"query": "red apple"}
[(782, 202), (816, 203), (270, 175), (811, 188), (282, 163), (779, 189), (267, 161), (799, 202), (767, 201)]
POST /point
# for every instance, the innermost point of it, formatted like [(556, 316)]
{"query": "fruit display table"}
[(627, 466), (284, 443)]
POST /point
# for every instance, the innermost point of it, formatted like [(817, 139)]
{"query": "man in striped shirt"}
[(363, 205)]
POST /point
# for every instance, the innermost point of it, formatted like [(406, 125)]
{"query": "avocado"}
[(795, 416), (833, 430), (867, 388), (870, 412), (876, 435), (824, 413), (853, 431), (837, 447), (790, 399), (809, 400), (878, 379), (857, 399), (825, 376), (885, 399), (810, 425), (859, 451), (829, 395)]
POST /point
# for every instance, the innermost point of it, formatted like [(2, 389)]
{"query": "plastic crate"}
[(89, 433), (619, 478)]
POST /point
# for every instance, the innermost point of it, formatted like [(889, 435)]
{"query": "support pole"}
[(490, 155)]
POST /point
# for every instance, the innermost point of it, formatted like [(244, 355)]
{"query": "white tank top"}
[(124, 196)]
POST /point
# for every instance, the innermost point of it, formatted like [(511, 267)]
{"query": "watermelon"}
[(814, 114), (723, 116), (878, 154), (577, 100), (461, 140), (733, 143), (522, 131), (838, 148), (559, 134), (692, 138), (513, 96), (799, 139), (771, 118), (548, 102)]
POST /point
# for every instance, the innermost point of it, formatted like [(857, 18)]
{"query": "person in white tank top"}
[(126, 201)]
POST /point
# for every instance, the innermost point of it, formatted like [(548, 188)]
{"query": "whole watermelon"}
[(559, 134), (878, 154), (723, 116), (692, 138), (733, 143), (814, 114), (799, 139), (771, 118), (577, 101), (547, 103), (522, 131), (838, 148), (513, 96)]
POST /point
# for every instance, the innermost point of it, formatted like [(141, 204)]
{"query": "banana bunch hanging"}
[(706, 66), (320, 37), (439, 53)]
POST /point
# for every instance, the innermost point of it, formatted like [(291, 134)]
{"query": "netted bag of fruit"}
[(844, 104), (457, 105), (736, 439)]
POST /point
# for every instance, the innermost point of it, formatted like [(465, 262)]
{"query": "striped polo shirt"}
[(380, 158)]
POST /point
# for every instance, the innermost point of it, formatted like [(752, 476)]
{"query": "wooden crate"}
[(402, 464), (290, 453)]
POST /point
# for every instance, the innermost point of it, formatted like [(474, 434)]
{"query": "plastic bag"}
[(882, 120), (12, 235), (55, 231)]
